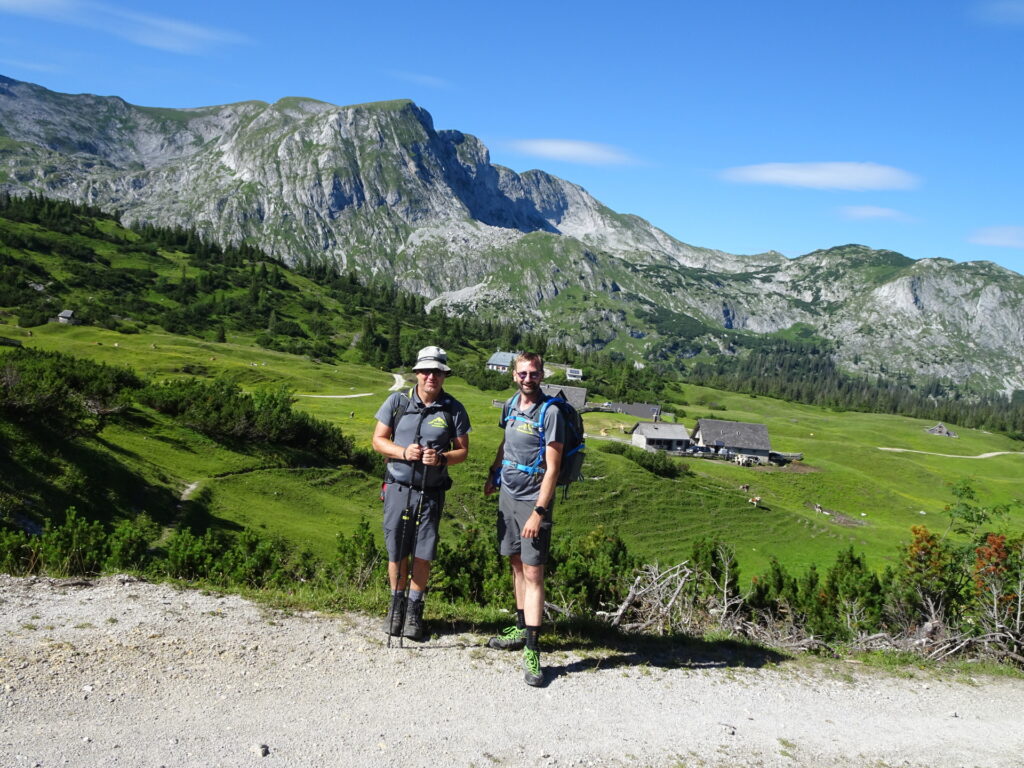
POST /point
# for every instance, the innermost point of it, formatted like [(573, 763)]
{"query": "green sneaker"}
[(531, 667), (510, 639)]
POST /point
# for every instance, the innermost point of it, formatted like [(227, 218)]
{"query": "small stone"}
[(262, 750)]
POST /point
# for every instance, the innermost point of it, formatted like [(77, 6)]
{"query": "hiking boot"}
[(532, 672), (415, 629), (396, 616), (510, 639)]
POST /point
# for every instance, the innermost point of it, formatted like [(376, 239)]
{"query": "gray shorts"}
[(512, 516), (400, 505)]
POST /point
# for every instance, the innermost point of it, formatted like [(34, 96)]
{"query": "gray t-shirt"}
[(406, 417), (522, 443)]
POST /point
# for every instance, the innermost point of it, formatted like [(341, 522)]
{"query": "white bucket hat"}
[(431, 358)]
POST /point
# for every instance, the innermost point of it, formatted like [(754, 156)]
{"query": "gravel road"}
[(121, 672)]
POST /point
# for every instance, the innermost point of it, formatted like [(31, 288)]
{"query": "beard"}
[(529, 387)]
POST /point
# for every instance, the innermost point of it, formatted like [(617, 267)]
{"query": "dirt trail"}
[(118, 672), (954, 455)]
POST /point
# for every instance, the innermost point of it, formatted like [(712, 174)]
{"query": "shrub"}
[(590, 573), (14, 552), (77, 547), (253, 561), (193, 557), (358, 560), (129, 543), (656, 462), (468, 566)]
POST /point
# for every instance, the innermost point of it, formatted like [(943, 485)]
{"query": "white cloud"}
[(1009, 12), (1002, 237), (142, 29), (572, 151), (428, 81), (851, 176), (872, 212)]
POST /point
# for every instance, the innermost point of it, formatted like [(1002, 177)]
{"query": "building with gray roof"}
[(738, 439), (501, 361), (660, 436)]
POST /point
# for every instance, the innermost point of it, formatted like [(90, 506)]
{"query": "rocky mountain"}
[(376, 188)]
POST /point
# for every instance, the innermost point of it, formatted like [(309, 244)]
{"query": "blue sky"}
[(743, 126)]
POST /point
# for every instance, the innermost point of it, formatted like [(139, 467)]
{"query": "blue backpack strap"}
[(505, 411), (535, 467)]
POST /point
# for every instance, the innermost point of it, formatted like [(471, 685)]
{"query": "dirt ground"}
[(120, 672)]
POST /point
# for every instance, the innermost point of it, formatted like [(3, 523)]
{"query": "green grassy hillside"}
[(146, 462)]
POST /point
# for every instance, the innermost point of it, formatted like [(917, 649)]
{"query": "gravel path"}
[(954, 455), (120, 672)]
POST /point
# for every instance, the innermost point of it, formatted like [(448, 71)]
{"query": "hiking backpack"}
[(573, 449)]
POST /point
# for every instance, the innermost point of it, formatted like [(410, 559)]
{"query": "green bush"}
[(656, 462), (221, 409), (254, 561), (129, 544), (468, 566), (77, 547), (193, 557), (591, 572), (358, 560), (14, 552)]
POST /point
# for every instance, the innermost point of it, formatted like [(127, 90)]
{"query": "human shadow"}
[(599, 646)]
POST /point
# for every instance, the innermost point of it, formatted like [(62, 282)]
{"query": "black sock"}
[(533, 638), (520, 618)]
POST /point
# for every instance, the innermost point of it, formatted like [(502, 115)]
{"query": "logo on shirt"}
[(437, 421), (526, 428)]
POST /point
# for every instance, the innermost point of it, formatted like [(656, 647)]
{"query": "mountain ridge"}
[(376, 188)]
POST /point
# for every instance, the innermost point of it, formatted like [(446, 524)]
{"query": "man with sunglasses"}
[(421, 433), (525, 504)]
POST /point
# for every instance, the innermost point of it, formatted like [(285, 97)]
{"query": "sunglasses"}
[(528, 374), (432, 372)]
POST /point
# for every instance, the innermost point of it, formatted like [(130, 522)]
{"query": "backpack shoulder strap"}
[(448, 416), (402, 403), (506, 409)]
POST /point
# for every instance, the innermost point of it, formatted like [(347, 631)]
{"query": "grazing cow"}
[(745, 487), (755, 500)]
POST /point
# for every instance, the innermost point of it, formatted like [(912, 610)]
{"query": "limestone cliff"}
[(376, 188)]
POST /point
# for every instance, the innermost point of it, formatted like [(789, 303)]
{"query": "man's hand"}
[(413, 452), (431, 457), (532, 528)]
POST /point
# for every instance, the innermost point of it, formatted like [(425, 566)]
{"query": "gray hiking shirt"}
[(522, 442), (405, 417)]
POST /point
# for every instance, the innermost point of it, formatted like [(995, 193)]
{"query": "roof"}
[(66, 313), (576, 396), (639, 410), (732, 434), (502, 358), (662, 430)]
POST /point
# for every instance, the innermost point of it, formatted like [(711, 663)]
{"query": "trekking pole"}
[(401, 542), (415, 540)]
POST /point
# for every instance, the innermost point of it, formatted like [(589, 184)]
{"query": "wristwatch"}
[(542, 511)]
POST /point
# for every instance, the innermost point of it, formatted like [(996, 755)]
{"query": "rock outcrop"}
[(376, 188)]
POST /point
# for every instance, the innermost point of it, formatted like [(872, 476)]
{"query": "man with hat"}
[(420, 433)]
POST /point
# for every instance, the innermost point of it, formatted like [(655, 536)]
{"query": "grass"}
[(876, 495)]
